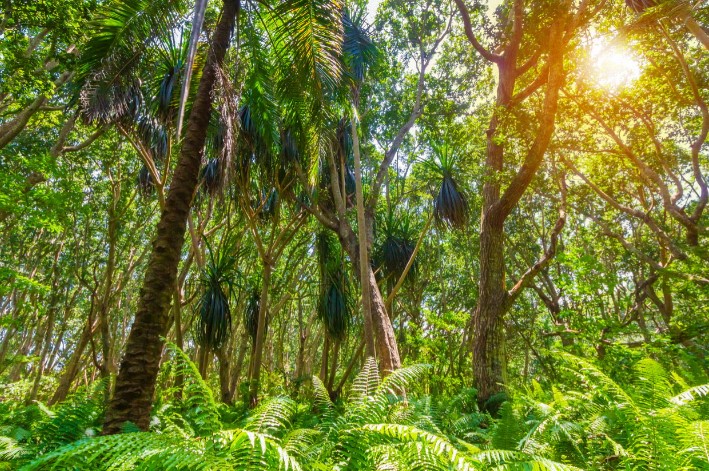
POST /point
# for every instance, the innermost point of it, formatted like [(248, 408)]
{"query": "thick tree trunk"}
[(136, 380), (385, 338), (387, 348), (488, 360), (489, 365)]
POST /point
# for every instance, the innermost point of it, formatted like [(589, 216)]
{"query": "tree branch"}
[(465, 16)]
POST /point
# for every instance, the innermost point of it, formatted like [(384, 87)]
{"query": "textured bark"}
[(489, 363), (136, 380), (324, 360), (235, 375), (333, 366), (224, 378), (363, 246), (385, 338)]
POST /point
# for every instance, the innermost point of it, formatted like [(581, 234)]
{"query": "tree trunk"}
[(72, 367), (46, 343), (489, 365), (205, 357), (224, 383), (9, 130), (385, 338), (260, 337), (236, 372), (333, 367), (488, 362), (324, 361), (136, 380), (363, 246)]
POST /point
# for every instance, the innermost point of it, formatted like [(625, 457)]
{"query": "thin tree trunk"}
[(324, 361), (260, 337), (205, 356), (46, 344), (9, 130), (333, 368), (135, 385), (363, 255), (236, 373), (224, 383), (72, 367)]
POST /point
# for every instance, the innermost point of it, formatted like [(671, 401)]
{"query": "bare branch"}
[(549, 253)]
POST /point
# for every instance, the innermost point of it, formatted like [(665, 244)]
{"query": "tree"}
[(515, 62), (135, 384)]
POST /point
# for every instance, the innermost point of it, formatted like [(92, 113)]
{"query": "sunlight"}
[(612, 67)]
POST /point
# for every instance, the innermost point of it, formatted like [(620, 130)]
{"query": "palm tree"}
[(135, 384), (111, 60)]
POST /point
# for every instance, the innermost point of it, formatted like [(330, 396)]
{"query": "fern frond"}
[(273, 416), (366, 382), (11, 450), (407, 434), (400, 379), (691, 394), (201, 408)]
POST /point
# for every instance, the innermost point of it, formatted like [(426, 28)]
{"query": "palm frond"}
[(310, 33)]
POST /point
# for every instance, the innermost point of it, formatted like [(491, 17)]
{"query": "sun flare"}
[(612, 67)]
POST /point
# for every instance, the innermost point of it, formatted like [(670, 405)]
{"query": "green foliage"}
[(638, 426), (397, 246), (218, 278), (376, 426), (335, 301), (450, 206)]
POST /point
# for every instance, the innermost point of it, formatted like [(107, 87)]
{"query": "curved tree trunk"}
[(136, 380), (72, 367), (489, 363), (385, 337)]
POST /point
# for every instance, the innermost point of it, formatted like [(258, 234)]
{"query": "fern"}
[(199, 407), (366, 382), (691, 394)]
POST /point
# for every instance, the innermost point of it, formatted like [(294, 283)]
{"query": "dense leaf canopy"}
[(329, 234)]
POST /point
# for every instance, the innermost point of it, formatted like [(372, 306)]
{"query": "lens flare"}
[(612, 67)]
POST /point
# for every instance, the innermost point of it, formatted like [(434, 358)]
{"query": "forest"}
[(354, 235)]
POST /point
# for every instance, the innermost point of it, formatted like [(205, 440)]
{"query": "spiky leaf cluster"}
[(450, 205), (334, 305), (397, 246), (217, 280)]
